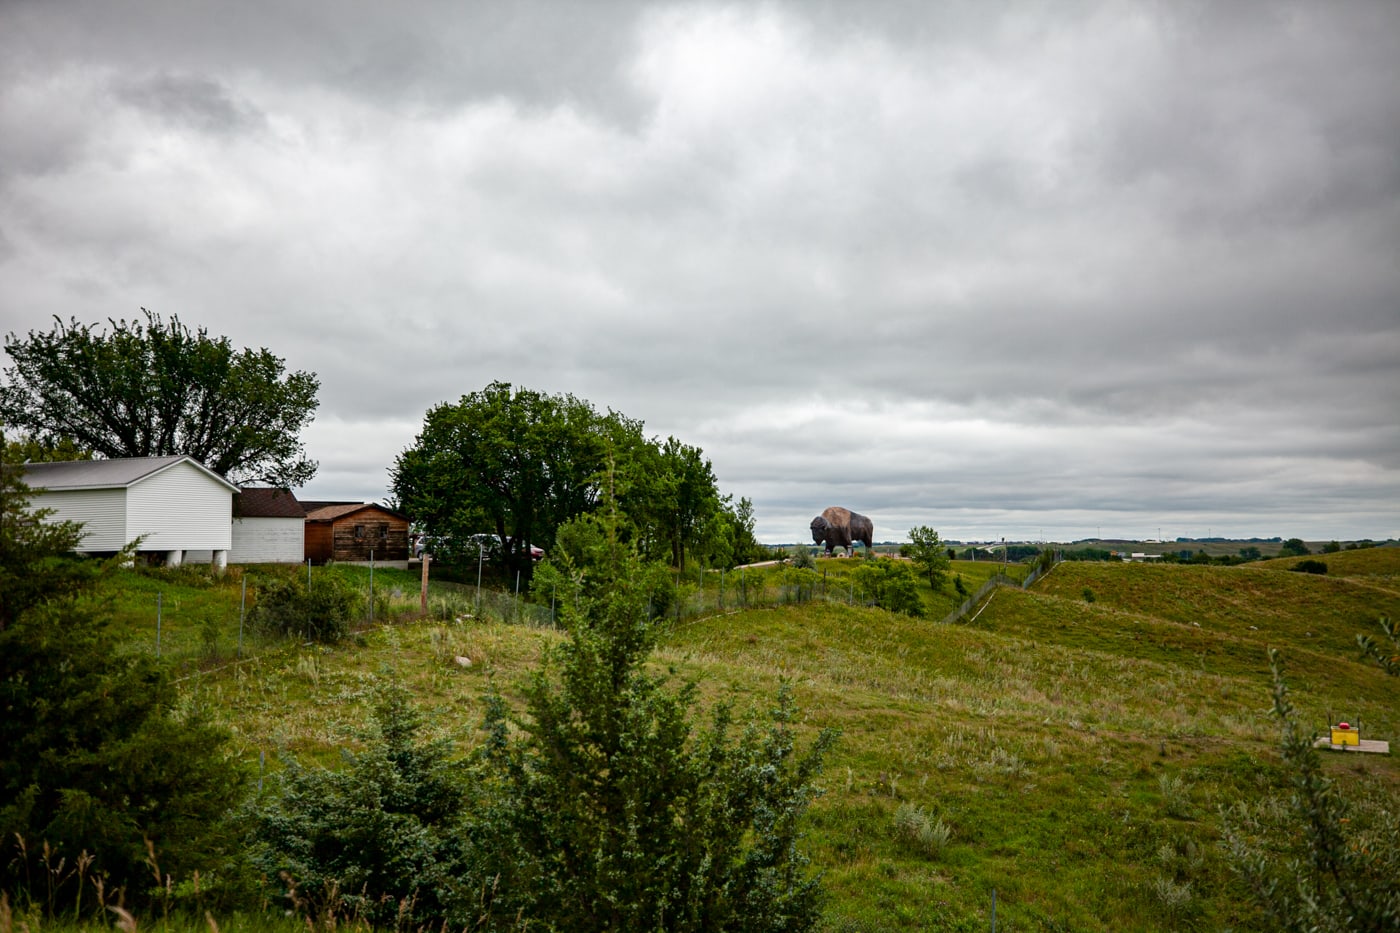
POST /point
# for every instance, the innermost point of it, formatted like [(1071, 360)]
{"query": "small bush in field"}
[(931, 836), (1309, 566), (321, 612), (379, 837), (890, 584)]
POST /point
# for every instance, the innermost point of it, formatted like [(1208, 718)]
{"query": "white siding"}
[(180, 508), (268, 541), (102, 512)]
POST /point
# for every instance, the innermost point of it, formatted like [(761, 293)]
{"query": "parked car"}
[(491, 546)]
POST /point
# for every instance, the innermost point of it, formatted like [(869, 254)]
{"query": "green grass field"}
[(1076, 745)]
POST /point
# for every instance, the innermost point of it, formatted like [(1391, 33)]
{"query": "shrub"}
[(379, 837), (914, 826), (608, 810), (320, 612), (892, 585), (1309, 566), (802, 557)]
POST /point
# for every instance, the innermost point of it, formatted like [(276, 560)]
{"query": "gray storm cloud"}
[(1012, 270)]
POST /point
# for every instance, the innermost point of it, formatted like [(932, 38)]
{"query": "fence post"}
[(158, 607), (423, 587), (242, 606)]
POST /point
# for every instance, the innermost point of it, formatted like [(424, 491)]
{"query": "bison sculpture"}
[(839, 527)]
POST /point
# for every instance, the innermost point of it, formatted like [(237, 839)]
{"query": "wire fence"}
[(214, 629), (1000, 579)]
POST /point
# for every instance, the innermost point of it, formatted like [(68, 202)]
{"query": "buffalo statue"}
[(842, 527)]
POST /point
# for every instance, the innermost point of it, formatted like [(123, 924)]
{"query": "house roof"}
[(117, 473), (330, 513), (312, 505), (261, 502)]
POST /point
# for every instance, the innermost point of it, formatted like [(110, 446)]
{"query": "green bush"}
[(378, 839), (607, 809), (892, 585), (321, 612), (925, 833), (1309, 566)]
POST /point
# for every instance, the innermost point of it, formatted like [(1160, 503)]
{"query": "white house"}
[(174, 504), (269, 527)]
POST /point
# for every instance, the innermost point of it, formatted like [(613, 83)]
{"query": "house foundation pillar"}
[(174, 558), (220, 561)]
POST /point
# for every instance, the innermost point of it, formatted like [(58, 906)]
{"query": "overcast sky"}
[(1027, 270)]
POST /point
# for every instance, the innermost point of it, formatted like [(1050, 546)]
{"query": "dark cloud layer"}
[(1018, 270)]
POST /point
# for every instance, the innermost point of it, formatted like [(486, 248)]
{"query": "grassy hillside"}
[(1073, 749)]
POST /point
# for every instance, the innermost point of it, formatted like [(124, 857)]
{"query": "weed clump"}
[(927, 834)]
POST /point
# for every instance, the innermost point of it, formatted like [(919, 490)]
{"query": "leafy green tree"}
[(609, 810), (693, 500), (1294, 547), (744, 547), (511, 461), (380, 837), (890, 584), (156, 388), (522, 464), (1340, 868), (927, 552), (93, 755)]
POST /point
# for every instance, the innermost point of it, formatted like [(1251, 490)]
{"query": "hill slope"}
[(1076, 753)]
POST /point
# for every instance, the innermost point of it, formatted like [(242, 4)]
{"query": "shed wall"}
[(180, 508), (384, 534), (268, 541), (102, 512)]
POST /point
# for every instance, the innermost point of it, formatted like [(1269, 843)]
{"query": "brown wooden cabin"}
[(350, 531)]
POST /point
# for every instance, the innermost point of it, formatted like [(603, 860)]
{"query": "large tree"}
[(152, 388), (521, 463), (511, 461), (928, 552)]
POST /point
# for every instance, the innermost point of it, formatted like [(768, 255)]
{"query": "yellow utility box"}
[(1344, 734)]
